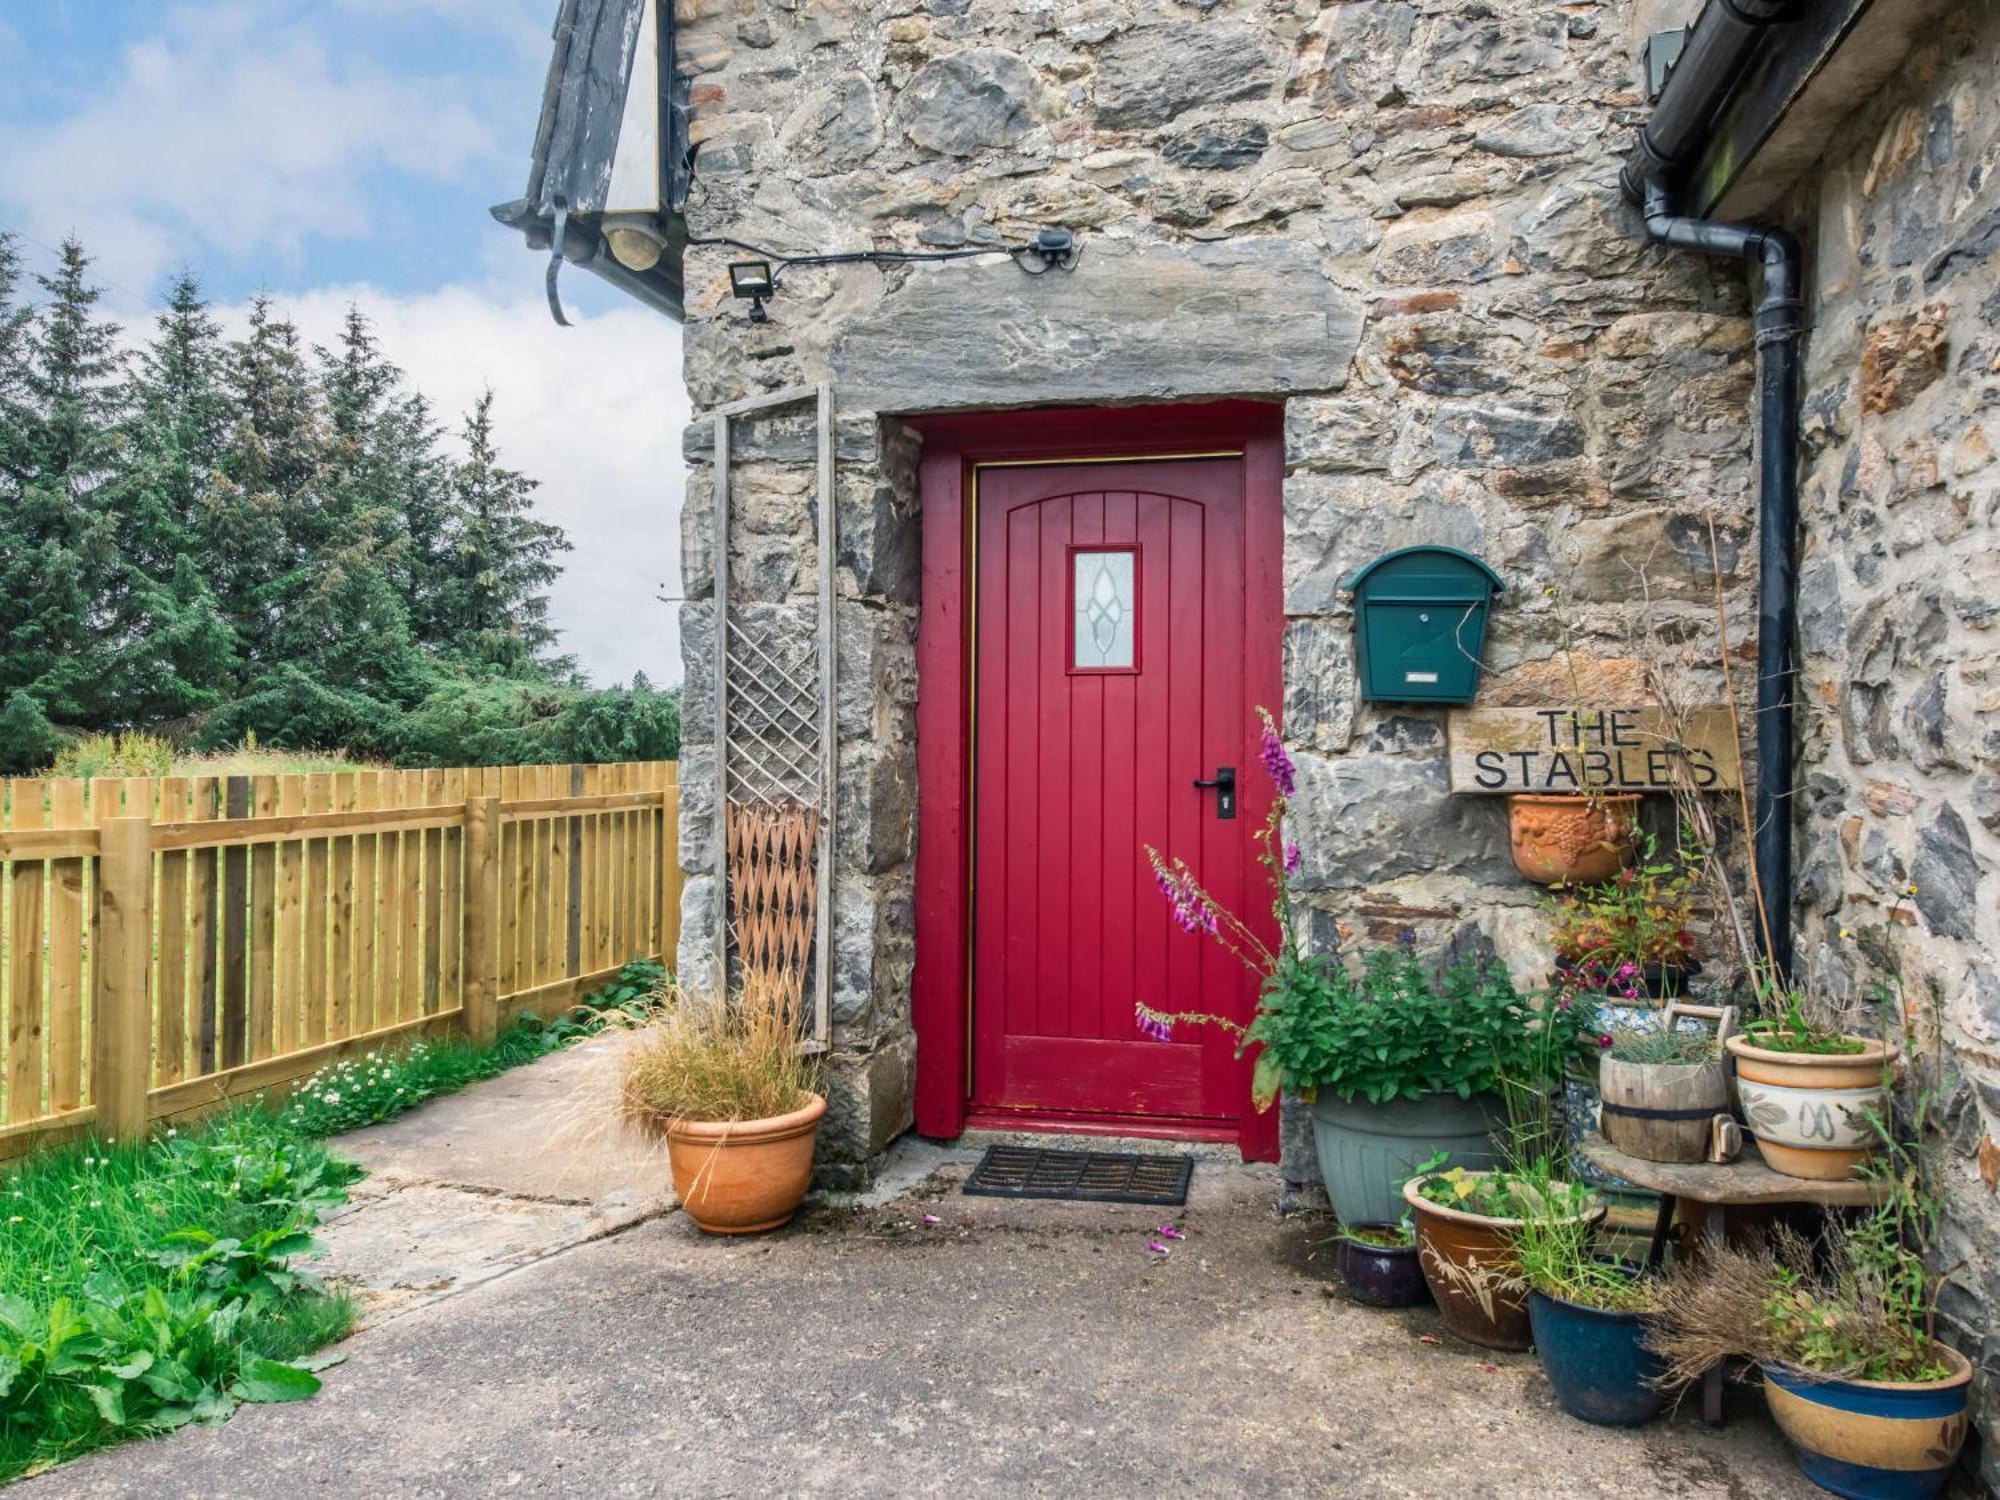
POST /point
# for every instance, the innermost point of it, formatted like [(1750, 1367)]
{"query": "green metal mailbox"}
[(1420, 615)]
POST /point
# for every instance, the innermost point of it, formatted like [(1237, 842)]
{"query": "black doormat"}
[(1088, 1176)]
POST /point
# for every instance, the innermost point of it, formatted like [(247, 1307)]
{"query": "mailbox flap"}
[(1426, 575)]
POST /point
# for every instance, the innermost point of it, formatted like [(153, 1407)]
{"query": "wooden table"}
[(1745, 1181)]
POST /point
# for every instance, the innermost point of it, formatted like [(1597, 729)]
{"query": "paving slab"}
[(922, 1343), (483, 1182)]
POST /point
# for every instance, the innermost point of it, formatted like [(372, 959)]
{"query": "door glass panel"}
[(1104, 610)]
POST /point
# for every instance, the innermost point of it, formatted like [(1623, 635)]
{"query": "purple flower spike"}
[(1277, 765), (1293, 859)]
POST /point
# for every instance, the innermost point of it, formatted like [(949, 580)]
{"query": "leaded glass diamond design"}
[(1105, 624)]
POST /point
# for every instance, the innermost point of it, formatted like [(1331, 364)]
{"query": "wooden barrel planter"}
[(1661, 1111)]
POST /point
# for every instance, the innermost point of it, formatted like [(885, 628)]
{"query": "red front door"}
[(1110, 677)]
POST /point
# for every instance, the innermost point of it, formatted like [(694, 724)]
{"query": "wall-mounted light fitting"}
[(1052, 249), (753, 279)]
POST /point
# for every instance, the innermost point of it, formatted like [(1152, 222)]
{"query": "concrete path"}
[(1005, 1349)]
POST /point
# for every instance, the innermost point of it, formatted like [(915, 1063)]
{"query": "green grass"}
[(146, 1286)]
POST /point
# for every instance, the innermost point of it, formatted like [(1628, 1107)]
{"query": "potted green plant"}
[(1631, 937), (727, 1088), (1589, 1317), (1397, 1058), (1871, 1402), (1845, 1327), (1807, 1087), (1467, 1223)]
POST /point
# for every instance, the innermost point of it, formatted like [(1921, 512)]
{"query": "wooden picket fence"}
[(168, 944)]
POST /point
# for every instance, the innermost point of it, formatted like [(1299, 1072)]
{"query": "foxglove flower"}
[(1277, 764), (1293, 859)]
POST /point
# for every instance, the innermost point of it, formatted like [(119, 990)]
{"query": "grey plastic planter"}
[(1368, 1151)]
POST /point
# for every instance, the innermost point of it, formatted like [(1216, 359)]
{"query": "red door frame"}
[(954, 446)]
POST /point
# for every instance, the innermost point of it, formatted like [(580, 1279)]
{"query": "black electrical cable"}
[(780, 263)]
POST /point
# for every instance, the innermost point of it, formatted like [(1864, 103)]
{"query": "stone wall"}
[(1900, 598), (1400, 218)]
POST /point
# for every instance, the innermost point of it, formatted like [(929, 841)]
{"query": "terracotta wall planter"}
[(748, 1175), (1807, 1110), (1576, 839), (1874, 1439), (1468, 1261)]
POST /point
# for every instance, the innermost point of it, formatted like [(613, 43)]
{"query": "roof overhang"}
[(610, 160), (1812, 74)]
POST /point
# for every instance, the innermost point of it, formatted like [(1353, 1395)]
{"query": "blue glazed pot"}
[(1597, 1361), (1874, 1439)]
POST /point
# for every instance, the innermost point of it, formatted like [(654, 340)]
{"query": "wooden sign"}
[(1589, 749)]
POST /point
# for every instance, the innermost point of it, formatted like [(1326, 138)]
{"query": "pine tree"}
[(57, 549), (175, 651), (498, 612), (270, 454)]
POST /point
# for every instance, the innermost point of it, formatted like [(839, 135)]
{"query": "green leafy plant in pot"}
[(1589, 1316), (1845, 1328)]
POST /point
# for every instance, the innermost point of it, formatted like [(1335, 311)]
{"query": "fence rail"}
[(170, 943)]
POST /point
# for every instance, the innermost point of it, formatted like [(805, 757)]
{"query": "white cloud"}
[(594, 412), (232, 130)]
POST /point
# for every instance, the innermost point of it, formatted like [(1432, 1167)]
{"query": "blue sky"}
[(328, 151)]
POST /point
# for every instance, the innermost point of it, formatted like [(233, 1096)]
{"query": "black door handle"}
[(1225, 790)]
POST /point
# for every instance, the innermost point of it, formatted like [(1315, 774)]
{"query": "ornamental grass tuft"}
[(693, 1057)]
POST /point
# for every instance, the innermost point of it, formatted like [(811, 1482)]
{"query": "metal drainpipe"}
[(1720, 46)]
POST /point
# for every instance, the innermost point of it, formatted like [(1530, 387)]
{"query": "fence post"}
[(482, 918), (122, 1025)]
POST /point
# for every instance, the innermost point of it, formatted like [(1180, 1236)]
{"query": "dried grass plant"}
[(1827, 1307), (702, 1058)]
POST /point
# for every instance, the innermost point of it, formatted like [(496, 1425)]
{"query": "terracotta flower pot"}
[(1808, 1110), (1468, 1260), (1575, 839), (1874, 1438), (745, 1175)]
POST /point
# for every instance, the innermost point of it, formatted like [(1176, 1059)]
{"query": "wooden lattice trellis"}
[(775, 753)]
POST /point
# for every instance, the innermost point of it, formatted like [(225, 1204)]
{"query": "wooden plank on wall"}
[(433, 794), (1611, 749)]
